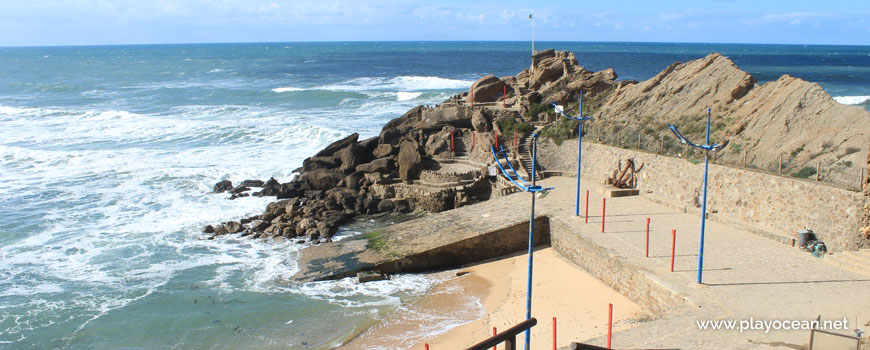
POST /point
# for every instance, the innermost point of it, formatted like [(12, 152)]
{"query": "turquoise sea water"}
[(108, 155)]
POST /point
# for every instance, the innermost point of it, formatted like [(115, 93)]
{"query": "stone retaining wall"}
[(773, 206), (626, 278), (437, 177)]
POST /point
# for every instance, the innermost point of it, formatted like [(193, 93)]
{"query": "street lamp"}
[(581, 118), (535, 190), (707, 147)]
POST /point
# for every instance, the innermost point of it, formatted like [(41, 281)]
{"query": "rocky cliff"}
[(788, 117)]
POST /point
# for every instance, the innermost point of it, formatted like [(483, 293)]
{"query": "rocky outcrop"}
[(788, 117), (410, 161), (488, 89)]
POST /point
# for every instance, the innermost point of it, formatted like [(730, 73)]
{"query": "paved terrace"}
[(745, 275)]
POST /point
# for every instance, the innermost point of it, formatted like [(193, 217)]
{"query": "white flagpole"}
[(533, 38)]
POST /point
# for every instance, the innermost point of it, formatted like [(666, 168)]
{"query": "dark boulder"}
[(315, 163), (352, 181), (338, 145), (239, 189), (479, 122), (350, 157), (380, 165), (234, 227), (252, 183), (402, 205), (438, 143), (410, 161), (223, 186), (390, 136), (321, 179), (208, 229), (386, 205), (271, 183), (384, 150)]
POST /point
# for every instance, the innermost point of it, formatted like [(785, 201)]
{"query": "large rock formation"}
[(788, 117)]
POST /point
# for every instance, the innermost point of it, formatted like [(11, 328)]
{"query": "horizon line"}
[(422, 41)]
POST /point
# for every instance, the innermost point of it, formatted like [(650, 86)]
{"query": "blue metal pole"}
[(704, 202), (579, 152), (531, 238)]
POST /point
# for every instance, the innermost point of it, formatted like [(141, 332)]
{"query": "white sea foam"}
[(288, 89), (407, 96), (851, 100)]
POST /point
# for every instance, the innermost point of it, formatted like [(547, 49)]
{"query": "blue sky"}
[(87, 22)]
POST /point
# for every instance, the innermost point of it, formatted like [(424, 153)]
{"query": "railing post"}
[(819, 171), (494, 333), (744, 158), (662, 146), (780, 164), (511, 343), (647, 237)]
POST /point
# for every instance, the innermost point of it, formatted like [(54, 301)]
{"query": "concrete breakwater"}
[(437, 241)]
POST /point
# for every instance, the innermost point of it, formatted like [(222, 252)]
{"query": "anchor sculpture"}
[(625, 177)]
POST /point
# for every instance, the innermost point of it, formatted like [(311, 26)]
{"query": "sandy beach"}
[(492, 294)]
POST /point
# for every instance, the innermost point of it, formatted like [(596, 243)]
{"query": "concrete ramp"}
[(448, 239)]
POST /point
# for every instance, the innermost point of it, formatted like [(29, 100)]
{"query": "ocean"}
[(109, 154)]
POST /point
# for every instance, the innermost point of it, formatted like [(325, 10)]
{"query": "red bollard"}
[(647, 237), (493, 334), (603, 209), (495, 134), (451, 141), (586, 216), (609, 324), (673, 248), (427, 346), (504, 98), (554, 333), (515, 138)]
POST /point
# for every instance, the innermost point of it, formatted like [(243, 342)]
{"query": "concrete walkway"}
[(745, 276)]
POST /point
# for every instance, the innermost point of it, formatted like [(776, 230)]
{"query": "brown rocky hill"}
[(788, 117)]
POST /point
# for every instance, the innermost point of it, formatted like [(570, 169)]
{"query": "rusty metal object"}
[(625, 177)]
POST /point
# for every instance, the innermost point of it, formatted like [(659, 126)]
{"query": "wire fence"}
[(840, 173)]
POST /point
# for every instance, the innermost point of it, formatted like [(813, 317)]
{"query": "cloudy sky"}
[(88, 22)]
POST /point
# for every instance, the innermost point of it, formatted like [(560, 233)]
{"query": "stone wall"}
[(626, 278), (773, 206)]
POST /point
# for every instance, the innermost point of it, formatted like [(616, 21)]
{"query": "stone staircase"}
[(525, 151), (855, 261)]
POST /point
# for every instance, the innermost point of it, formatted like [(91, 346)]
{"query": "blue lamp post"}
[(581, 118), (535, 190), (707, 147)]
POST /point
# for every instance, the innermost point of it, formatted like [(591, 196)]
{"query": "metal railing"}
[(509, 336)]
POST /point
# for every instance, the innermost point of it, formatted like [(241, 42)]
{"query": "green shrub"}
[(804, 173), (537, 108), (509, 125), (561, 130)]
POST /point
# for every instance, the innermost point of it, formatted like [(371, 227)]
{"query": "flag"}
[(530, 15)]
